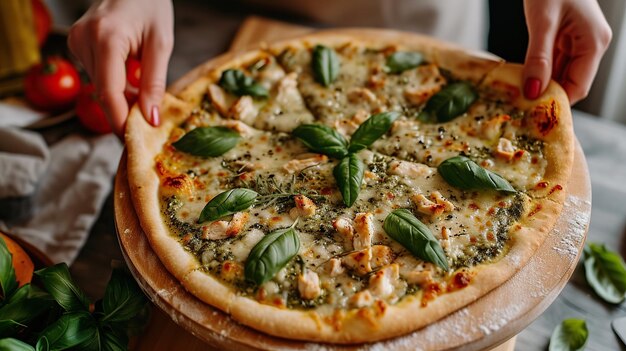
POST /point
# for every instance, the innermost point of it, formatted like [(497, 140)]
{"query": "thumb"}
[(542, 31), (154, 58)]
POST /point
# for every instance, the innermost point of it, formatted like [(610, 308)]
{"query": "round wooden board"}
[(489, 321)]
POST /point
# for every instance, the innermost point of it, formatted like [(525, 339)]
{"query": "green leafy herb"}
[(228, 203), (605, 273), (10, 344), (237, 83), (123, 299), (415, 236), (570, 335), (322, 139), (401, 61), (59, 284), (349, 177), (208, 141), (68, 331), (8, 281), (372, 129), (271, 254), (24, 306), (325, 65), (450, 102), (463, 173)]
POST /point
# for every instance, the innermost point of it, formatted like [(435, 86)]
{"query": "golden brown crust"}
[(379, 321)]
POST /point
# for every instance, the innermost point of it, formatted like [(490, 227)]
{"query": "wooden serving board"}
[(484, 324)]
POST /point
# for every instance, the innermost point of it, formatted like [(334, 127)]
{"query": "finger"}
[(578, 76), (110, 80), (561, 57), (82, 52), (542, 30), (154, 58)]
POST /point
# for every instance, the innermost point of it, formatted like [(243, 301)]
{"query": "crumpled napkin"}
[(50, 195)]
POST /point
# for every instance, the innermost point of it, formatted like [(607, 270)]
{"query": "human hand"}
[(110, 32), (567, 39)]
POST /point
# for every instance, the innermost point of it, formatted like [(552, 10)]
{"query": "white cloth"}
[(464, 22), (67, 197)]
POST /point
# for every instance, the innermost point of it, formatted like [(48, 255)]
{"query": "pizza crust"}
[(357, 325)]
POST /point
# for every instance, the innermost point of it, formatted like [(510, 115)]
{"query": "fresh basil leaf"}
[(605, 272), (271, 254), (123, 299), (570, 335), (70, 330), (237, 83), (208, 141), (372, 129), (322, 139), (10, 344), (58, 282), (25, 306), (114, 339), (349, 177), (415, 236), (228, 203), (401, 61), (463, 173), (8, 281), (325, 65), (450, 102)]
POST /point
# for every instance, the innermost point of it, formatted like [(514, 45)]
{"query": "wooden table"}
[(604, 144)]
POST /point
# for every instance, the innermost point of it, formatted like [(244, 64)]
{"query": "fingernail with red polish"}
[(154, 116), (532, 88)]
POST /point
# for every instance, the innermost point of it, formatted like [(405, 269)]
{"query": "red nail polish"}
[(532, 88), (154, 116)]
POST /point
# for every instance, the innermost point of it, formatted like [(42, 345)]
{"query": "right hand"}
[(110, 32)]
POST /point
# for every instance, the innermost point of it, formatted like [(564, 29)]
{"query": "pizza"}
[(352, 185)]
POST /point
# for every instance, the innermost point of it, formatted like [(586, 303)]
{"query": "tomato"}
[(43, 21), (52, 85), (133, 72), (90, 113)]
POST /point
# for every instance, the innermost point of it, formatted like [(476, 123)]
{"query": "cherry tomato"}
[(42, 19), (133, 72), (89, 112), (52, 85)]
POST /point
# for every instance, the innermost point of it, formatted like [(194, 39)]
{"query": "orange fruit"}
[(22, 263)]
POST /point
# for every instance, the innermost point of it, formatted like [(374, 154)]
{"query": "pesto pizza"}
[(350, 186)]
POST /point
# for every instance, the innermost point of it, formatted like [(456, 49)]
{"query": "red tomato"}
[(42, 19), (133, 72), (90, 113), (52, 85)]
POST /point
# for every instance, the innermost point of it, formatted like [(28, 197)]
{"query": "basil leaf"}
[(114, 340), (463, 173), (69, 330), (208, 141), (10, 344), (227, 203), (415, 236), (605, 272), (570, 335), (57, 281), (8, 281), (349, 177), (325, 65), (401, 61), (450, 102), (237, 83), (322, 139), (271, 254), (123, 299), (24, 306), (372, 129)]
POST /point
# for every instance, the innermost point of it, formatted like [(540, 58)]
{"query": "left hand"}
[(567, 39)]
